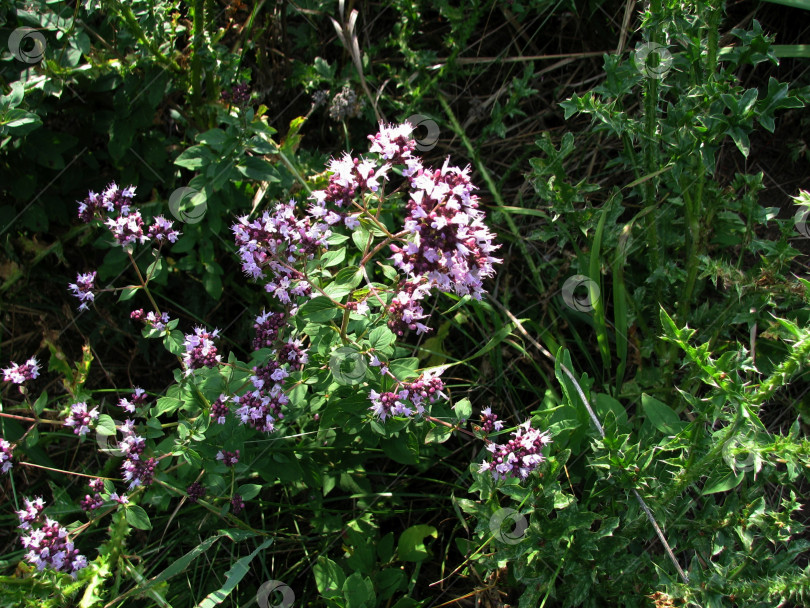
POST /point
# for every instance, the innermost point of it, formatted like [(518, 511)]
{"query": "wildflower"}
[(114, 199), (195, 492), (5, 455), (293, 353), (238, 95), (139, 472), (267, 326), (48, 545), (139, 398), (20, 373), (127, 229), (237, 503), (268, 375), (152, 319), (229, 459), (427, 387), (162, 230), (80, 418), (200, 350), (375, 362), (393, 142), (490, 421), (83, 288), (405, 310), (388, 404), (261, 410), (97, 484), (90, 503), (121, 500), (519, 456), (219, 409), (32, 510), (450, 244), (136, 470), (319, 98)]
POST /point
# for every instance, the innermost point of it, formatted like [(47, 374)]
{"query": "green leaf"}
[(195, 157), (463, 409), (137, 518), (411, 547), (318, 310), (105, 425), (233, 577), (722, 480), (174, 342), (329, 577), (380, 337), (128, 293), (41, 402), (438, 434), (249, 490), (661, 415), (214, 138), (404, 369), (258, 169), (359, 592)]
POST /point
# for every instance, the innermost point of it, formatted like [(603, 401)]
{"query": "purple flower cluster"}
[(114, 207), (195, 492), (269, 248), (139, 397), (136, 470), (80, 418), (219, 409), (112, 200), (91, 503), (427, 387), (238, 95), (267, 326), (200, 350), (5, 455), (83, 288), (154, 320), (405, 310), (48, 545), (261, 409), (20, 373), (229, 459), (350, 177), (163, 230), (520, 455), (489, 421), (237, 504)]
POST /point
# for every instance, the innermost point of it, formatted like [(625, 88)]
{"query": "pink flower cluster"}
[(80, 418), (127, 226), (139, 397), (48, 545), (5, 455), (136, 470), (200, 350), (520, 455), (270, 247), (20, 373), (489, 421), (83, 288), (426, 388), (152, 319)]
